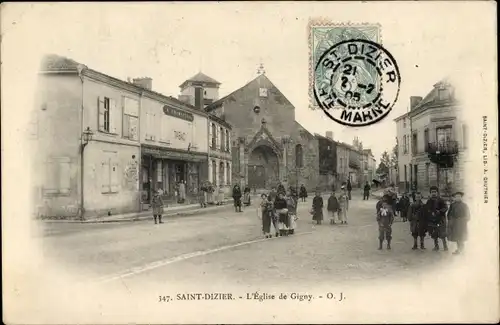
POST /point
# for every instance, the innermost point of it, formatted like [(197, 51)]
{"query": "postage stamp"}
[(353, 79)]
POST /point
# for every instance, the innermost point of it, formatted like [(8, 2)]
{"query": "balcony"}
[(442, 148), (443, 154)]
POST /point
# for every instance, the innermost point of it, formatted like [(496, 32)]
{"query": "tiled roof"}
[(432, 98), (201, 77), (53, 62)]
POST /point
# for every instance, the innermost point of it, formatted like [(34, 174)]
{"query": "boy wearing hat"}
[(435, 210), (385, 218), (458, 216), (418, 224)]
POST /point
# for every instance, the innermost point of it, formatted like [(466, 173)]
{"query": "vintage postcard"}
[(249, 162)]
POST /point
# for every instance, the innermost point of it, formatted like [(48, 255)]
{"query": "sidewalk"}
[(171, 211), (177, 210)]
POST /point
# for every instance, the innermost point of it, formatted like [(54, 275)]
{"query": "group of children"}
[(440, 219), (279, 211)]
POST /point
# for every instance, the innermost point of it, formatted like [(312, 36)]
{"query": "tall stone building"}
[(437, 145), (268, 144)]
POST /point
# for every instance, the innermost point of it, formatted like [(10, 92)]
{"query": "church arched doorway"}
[(263, 168)]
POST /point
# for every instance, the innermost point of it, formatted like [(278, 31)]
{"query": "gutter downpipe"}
[(82, 146)]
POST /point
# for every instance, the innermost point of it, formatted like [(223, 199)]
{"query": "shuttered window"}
[(108, 115), (130, 118), (57, 176), (110, 172)]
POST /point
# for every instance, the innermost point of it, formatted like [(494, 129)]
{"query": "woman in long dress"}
[(202, 195), (280, 205), (317, 208), (265, 210), (220, 196), (291, 203), (246, 196)]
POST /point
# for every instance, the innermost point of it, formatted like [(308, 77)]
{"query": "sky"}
[(172, 42)]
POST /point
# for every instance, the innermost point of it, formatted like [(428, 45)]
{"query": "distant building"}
[(200, 90), (437, 143), (403, 125), (370, 166), (343, 150), (327, 161), (268, 145)]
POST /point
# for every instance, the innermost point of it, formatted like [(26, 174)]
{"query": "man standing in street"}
[(349, 188), (435, 210), (403, 205), (418, 224), (366, 191), (458, 217)]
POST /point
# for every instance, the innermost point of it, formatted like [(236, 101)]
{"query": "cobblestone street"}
[(228, 248)]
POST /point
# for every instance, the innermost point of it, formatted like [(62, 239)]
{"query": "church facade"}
[(268, 145)]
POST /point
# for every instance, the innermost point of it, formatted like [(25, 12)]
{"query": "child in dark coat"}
[(333, 208)]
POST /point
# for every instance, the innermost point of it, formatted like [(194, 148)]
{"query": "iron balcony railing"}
[(442, 148)]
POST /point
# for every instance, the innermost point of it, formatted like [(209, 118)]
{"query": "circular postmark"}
[(356, 82)]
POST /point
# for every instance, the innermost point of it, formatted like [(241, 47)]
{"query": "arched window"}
[(299, 159), (222, 139), (221, 173), (214, 136), (227, 141)]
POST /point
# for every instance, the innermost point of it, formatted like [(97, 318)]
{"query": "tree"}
[(394, 156), (385, 161)]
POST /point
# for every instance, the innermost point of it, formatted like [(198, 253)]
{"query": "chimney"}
[(414, 101), (146, 82), (329, 135)]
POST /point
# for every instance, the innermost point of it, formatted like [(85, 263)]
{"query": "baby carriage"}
[(287, 222)]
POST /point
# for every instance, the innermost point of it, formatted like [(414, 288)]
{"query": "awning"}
[(162, 153)]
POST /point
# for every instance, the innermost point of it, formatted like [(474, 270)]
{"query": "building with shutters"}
[(268, 145), (433, 139), (141, 141)]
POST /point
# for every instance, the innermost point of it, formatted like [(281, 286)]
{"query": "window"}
[(107, 115), (222, 139), (222, 173), (109, 175), (404, 123), (426, 139), (213, 135), (263, 92), (443, 134), (414, 144), (214, 172), (443, 93), (298, 156), (159, 171), (228, 171), (405, 144), (465, 142), (427, 178), (130, 118), (150, 122), (227, 141), (164, 129), (57, 177), (406, 174)]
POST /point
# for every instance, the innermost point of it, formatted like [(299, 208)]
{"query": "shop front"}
[(166, 169)]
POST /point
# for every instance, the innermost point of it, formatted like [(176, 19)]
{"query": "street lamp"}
[(86, 138)]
